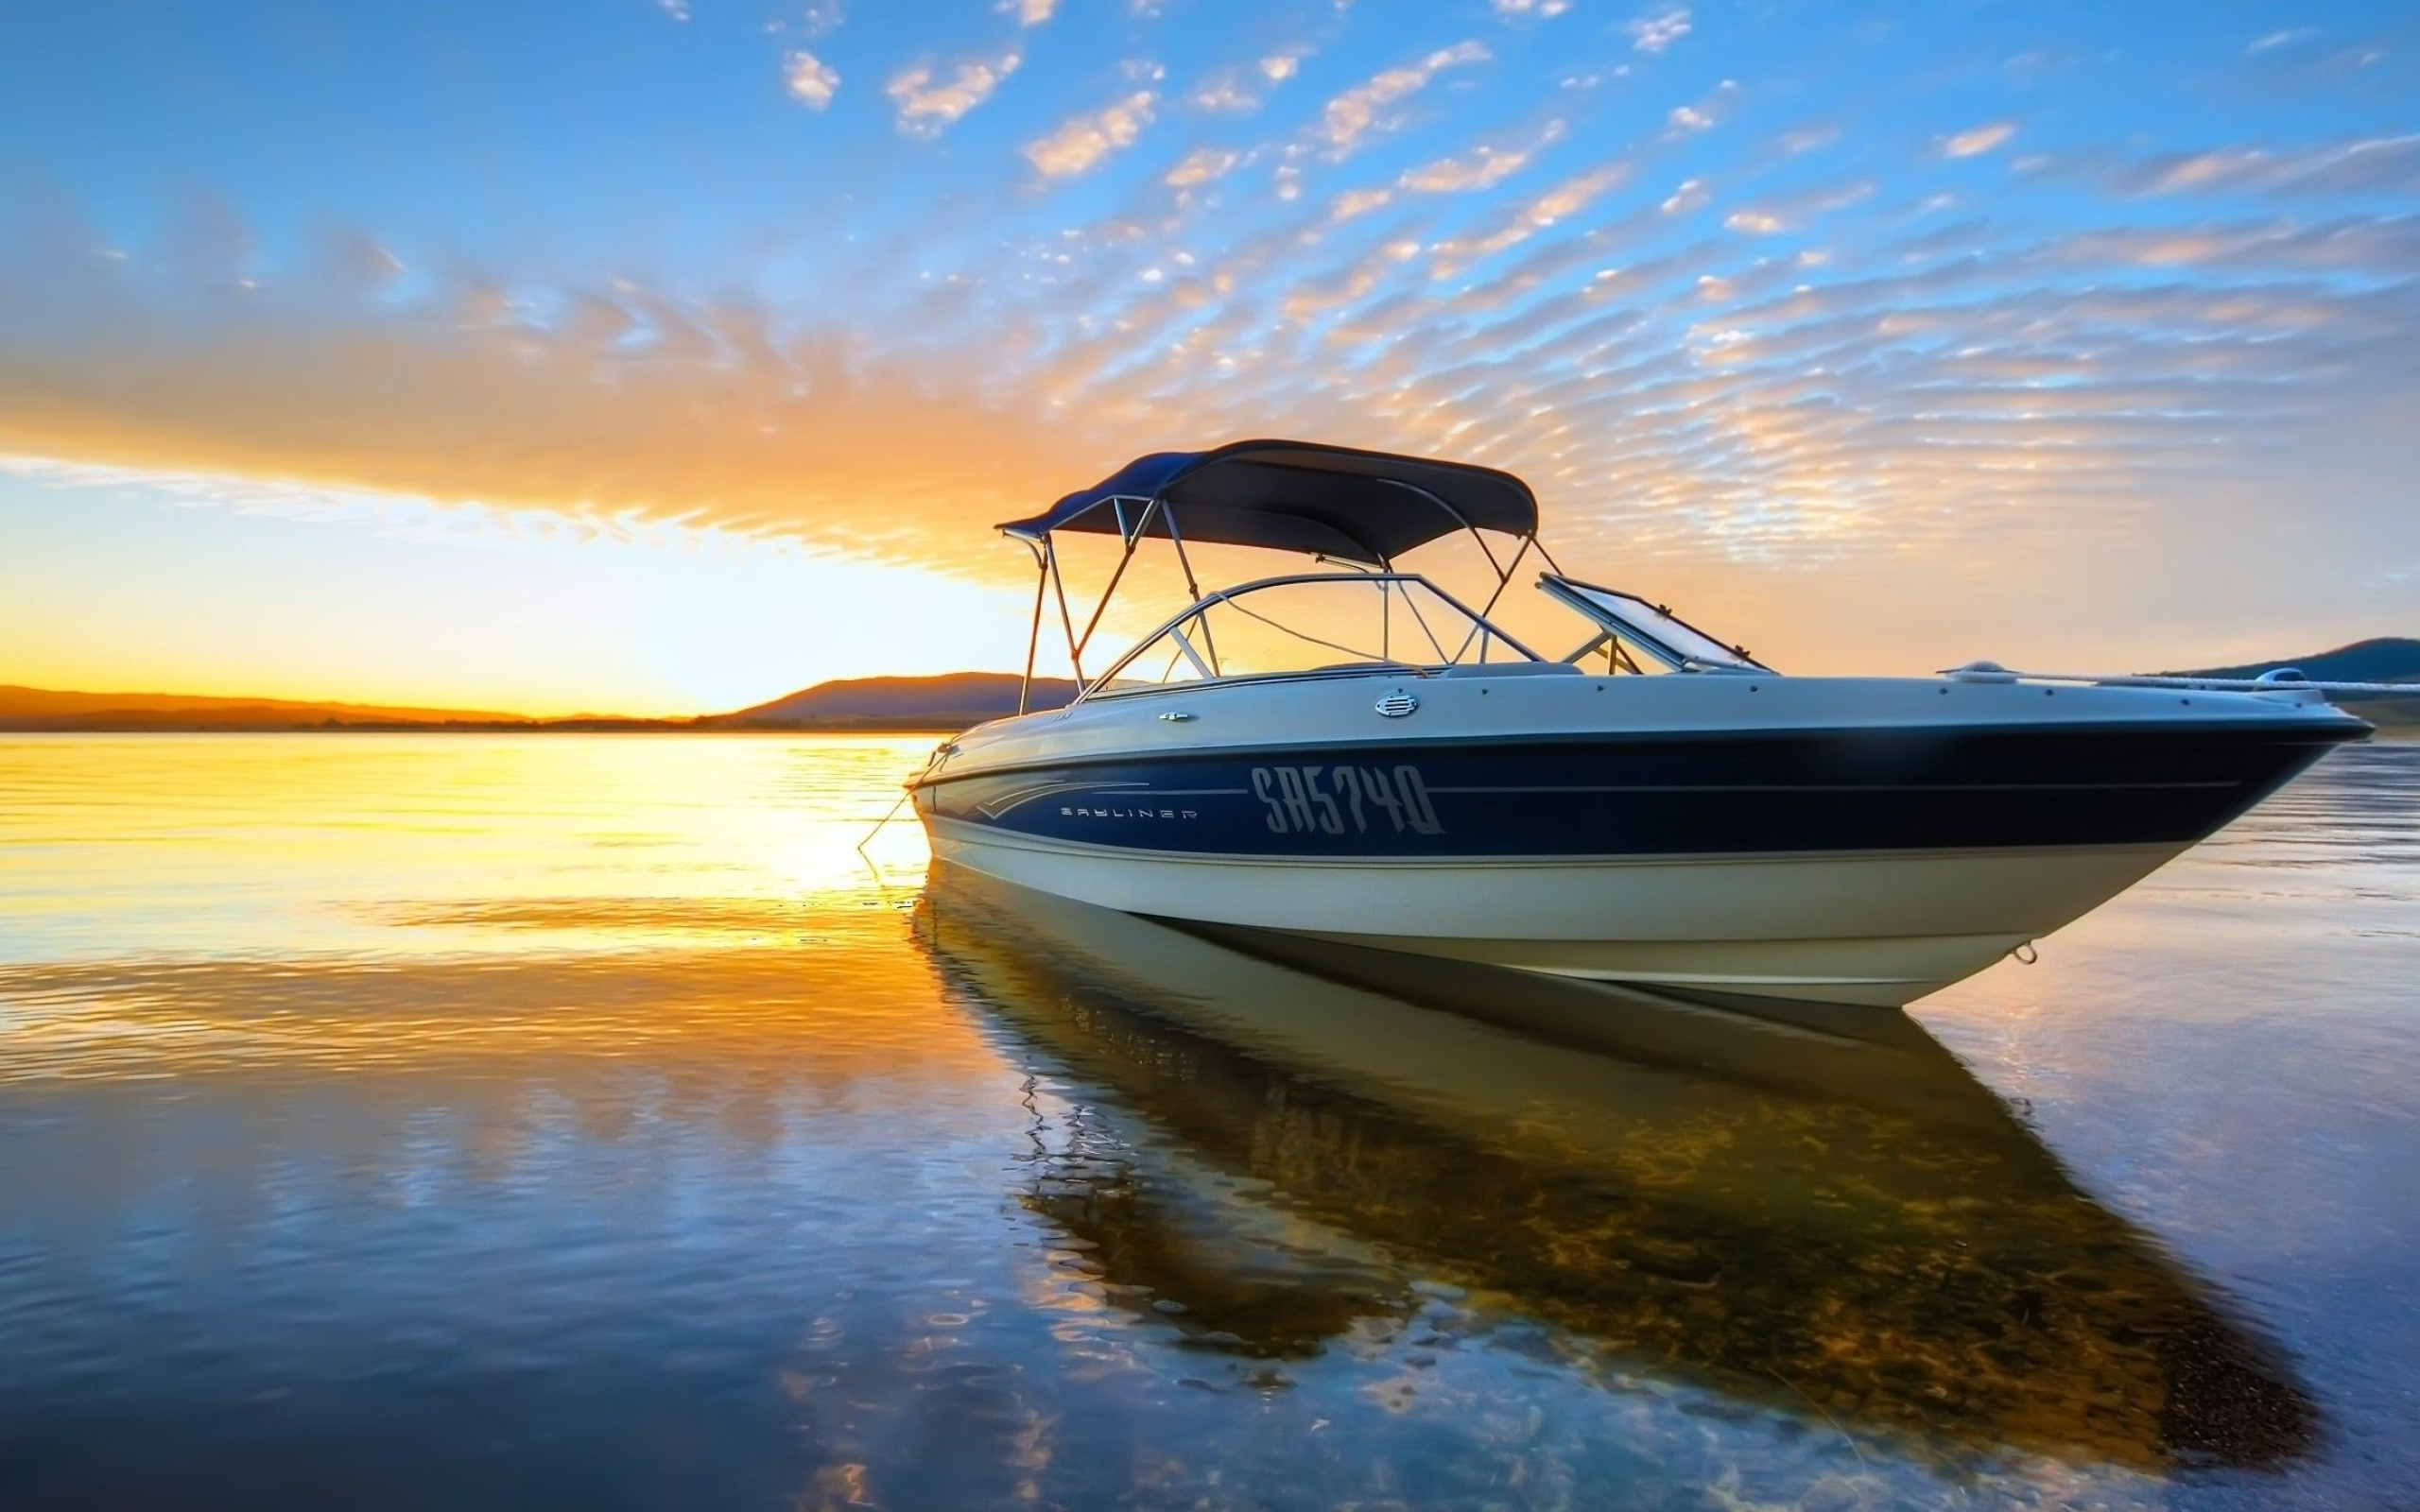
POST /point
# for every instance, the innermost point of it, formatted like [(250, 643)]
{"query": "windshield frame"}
[(1573, 594), (1481, 629)]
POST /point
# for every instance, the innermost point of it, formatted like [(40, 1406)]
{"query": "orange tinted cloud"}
[(1963, 405), (620, 404)]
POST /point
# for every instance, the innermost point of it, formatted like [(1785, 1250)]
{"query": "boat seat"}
[(1513, 669)]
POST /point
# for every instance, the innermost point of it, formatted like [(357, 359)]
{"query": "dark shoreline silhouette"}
[(951, 701), (941, 704)]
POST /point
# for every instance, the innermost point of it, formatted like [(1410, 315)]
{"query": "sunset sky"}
[(665, 355)]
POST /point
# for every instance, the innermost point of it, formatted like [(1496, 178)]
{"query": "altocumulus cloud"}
[(1351, 115), (1977, 140), (930, 97), (1483, 167), (1082, 142), (1655, 32), (1202, 166), (811, 81)]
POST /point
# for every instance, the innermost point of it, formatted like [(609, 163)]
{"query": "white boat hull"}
[(1879, 928), (1846, 840)]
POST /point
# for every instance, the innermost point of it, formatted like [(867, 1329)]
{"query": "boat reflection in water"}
[(1269, 1144)]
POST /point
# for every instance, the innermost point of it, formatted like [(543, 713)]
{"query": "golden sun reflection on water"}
[(331, 903)]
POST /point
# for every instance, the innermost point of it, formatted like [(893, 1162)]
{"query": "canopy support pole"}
[(1067, 621), (1033, 639), (1193, 592), (1461, 519), (1111, 591), (1502, 582), (1184, 564)]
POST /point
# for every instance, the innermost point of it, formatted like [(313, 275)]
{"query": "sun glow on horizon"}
[(387, 600)]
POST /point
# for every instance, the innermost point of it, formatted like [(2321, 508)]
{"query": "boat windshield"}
[(1313, 624), (1629, 626)]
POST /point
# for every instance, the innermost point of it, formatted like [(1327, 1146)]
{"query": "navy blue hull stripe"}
[(2297, 732), (1826, 788), (1830, 791)]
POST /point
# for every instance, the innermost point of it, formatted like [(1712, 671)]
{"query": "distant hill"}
[(31, 709), (2388, 658), (951, 701)]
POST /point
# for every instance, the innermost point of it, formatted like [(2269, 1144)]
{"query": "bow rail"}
[(2282, 680)]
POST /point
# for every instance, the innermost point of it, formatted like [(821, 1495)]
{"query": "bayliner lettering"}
[(1323, 800)]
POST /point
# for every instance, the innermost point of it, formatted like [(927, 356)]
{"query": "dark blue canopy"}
[(1300, 496)]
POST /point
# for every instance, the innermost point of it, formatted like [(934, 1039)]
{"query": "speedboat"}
[(1356, 755)]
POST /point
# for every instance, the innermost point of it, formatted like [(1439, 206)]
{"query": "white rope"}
[(879, 824)]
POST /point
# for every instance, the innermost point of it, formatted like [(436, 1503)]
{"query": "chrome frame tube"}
[(1067, 620), (1502, 582), (1124, 558), (1459, 519), (1052, 582), (1225, 594), (1033, 637)]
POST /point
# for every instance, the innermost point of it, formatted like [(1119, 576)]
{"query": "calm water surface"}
[(469, 1122)]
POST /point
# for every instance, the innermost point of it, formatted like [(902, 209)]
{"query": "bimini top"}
[(1300, 496)]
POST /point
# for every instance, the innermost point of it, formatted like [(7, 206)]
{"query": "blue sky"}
[(668, 355)]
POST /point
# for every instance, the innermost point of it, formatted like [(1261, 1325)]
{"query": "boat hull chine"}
[(1879, 928)]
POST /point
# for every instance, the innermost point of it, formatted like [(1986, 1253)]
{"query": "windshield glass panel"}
[(1339, 623), (1635, 624)]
